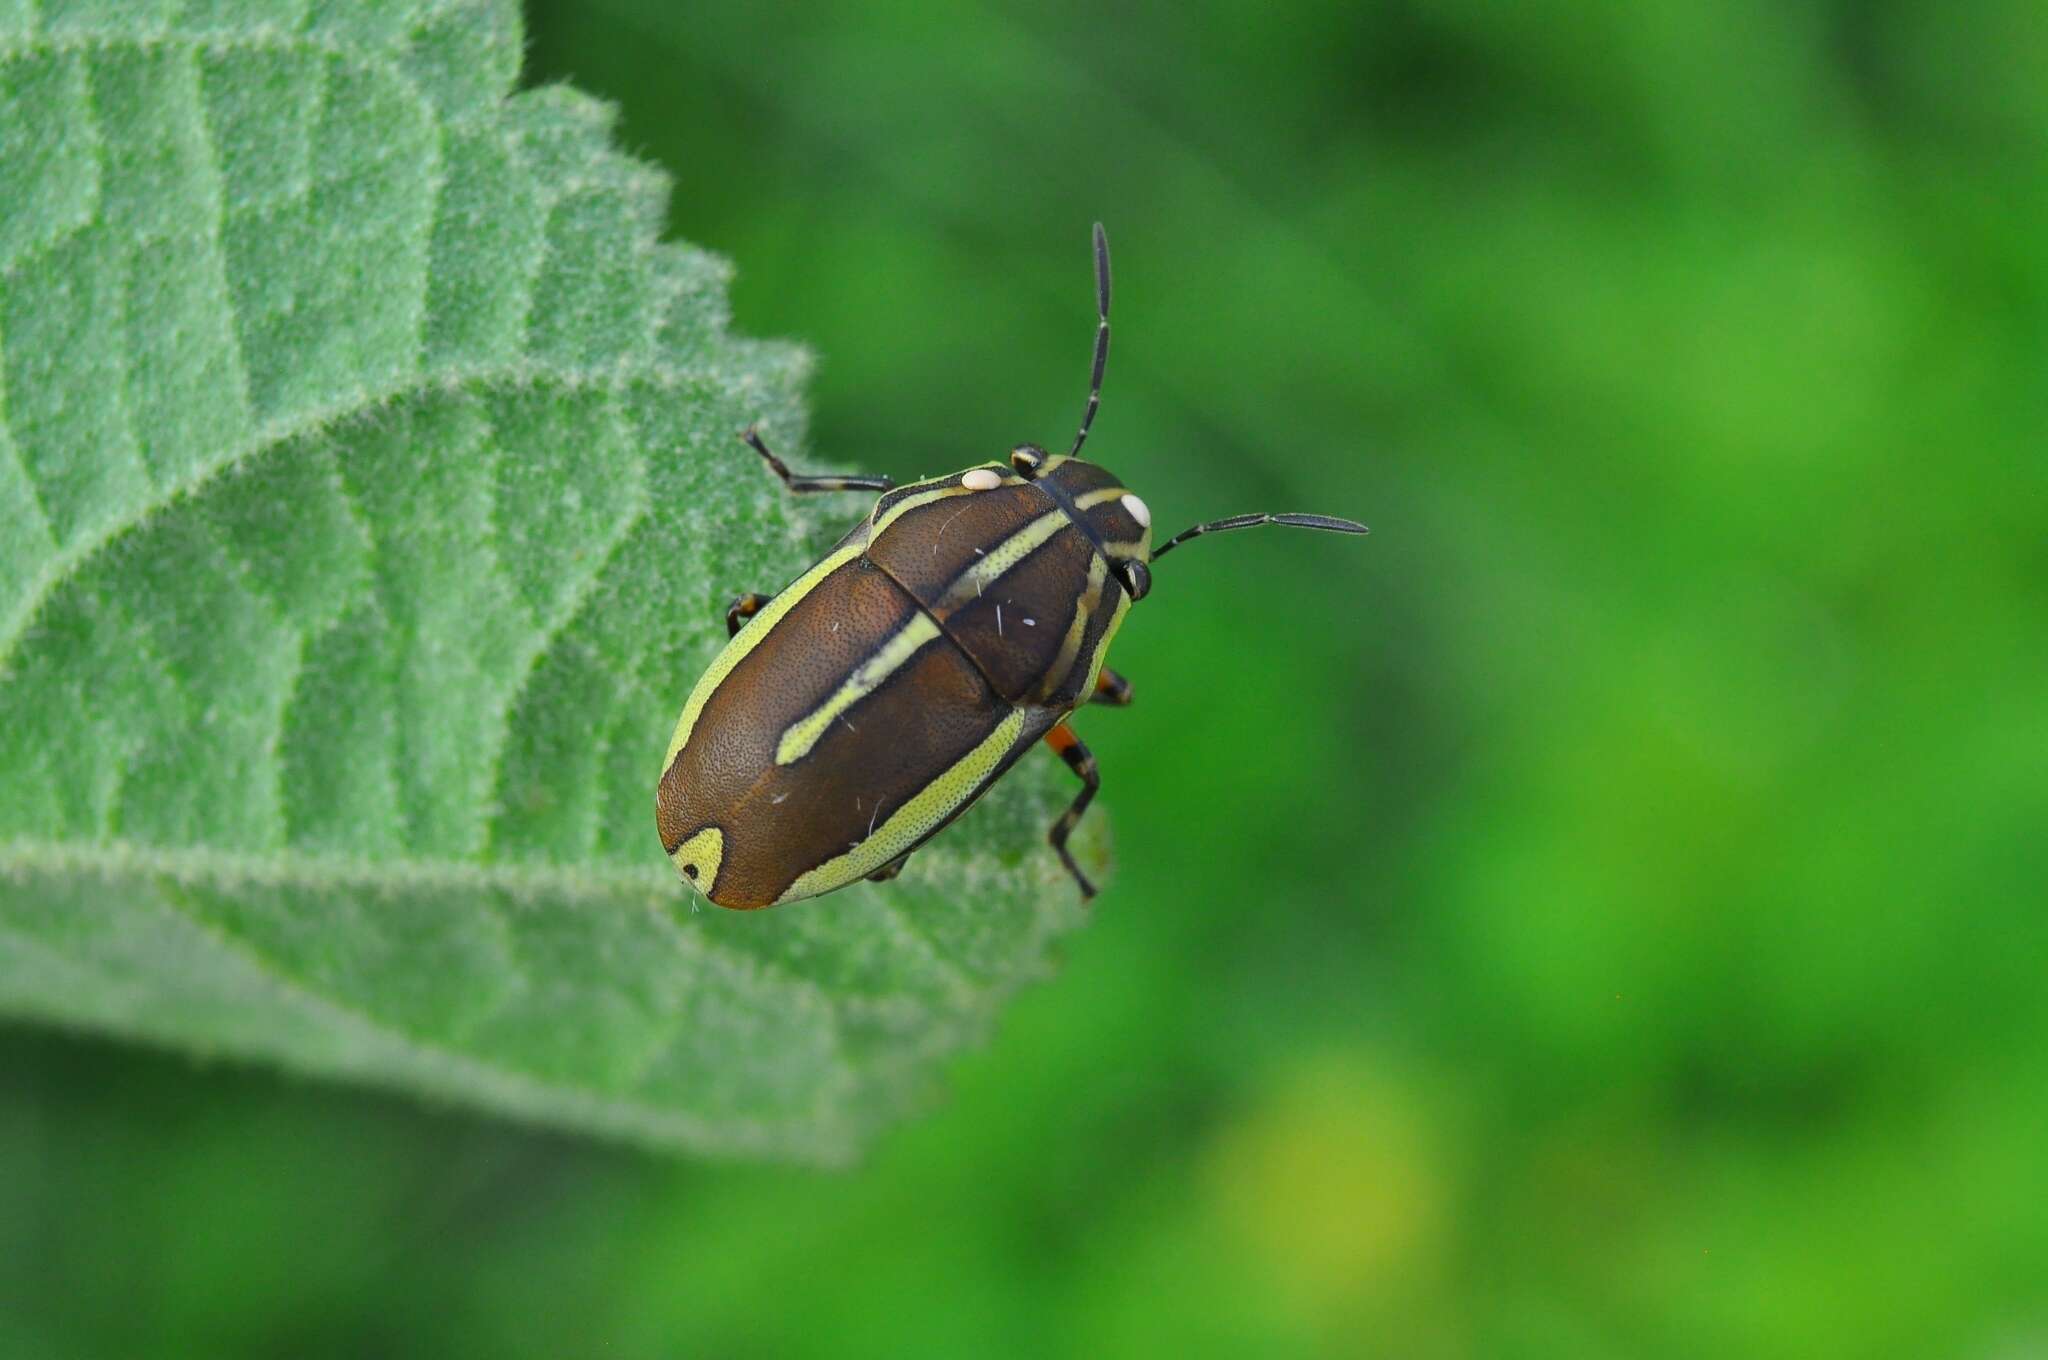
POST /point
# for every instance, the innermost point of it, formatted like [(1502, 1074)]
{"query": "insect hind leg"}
[(1082, 762), (889, 870)]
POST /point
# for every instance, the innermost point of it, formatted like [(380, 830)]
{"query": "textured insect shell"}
[(837, 731), (875, 698), (1016, 581)]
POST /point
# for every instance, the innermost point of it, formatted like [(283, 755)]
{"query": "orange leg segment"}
[(1110, 688)]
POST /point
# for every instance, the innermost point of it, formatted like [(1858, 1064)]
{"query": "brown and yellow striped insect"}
[(856, 713)]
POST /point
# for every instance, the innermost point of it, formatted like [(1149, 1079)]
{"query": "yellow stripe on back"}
[(915, 502), (1116, 619), (999, 559), (1091, 597), (749, 638), (909, 824), (886, 660)]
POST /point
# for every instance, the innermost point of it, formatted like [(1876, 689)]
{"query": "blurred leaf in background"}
[(1597, 916)]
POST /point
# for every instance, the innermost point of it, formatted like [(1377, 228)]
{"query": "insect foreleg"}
[(800, 483)]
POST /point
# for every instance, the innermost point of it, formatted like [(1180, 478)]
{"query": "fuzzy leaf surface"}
[(368, 500)]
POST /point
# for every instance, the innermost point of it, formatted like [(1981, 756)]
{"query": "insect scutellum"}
[(858, 711)]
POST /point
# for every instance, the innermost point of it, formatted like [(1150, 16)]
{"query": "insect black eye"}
[(1136, 578), (689, 871)]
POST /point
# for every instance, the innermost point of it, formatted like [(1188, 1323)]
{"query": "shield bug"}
[(858, 711)]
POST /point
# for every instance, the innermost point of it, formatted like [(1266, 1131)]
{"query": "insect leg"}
[(797, 482), (742, 608), (1111, 688), (1082, 762)]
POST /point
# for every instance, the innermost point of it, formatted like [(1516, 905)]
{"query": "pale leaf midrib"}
[(323, 870), (615, 888)]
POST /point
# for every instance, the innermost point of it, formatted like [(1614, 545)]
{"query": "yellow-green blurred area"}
[(1600, 914)]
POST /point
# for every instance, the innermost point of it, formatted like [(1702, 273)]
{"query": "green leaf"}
[(368, 499)]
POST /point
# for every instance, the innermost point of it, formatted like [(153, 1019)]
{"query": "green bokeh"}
[(1601, 914)]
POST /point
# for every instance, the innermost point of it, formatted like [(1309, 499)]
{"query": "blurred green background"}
[(1601, 914)]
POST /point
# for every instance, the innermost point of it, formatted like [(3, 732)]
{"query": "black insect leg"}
[(742, 608), (1082, 762), (1111, 689), (888, 871), (800, 483)]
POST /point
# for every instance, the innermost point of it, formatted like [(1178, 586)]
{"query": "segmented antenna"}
[(1329, 522), (1101, 337)]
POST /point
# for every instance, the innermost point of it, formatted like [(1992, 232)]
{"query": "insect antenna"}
[(1330, 522), (1101, 337)]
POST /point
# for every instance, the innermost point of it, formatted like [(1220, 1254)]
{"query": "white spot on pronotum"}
[(1031, 623), (982, 479), (1139, 510), (778, 797)]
